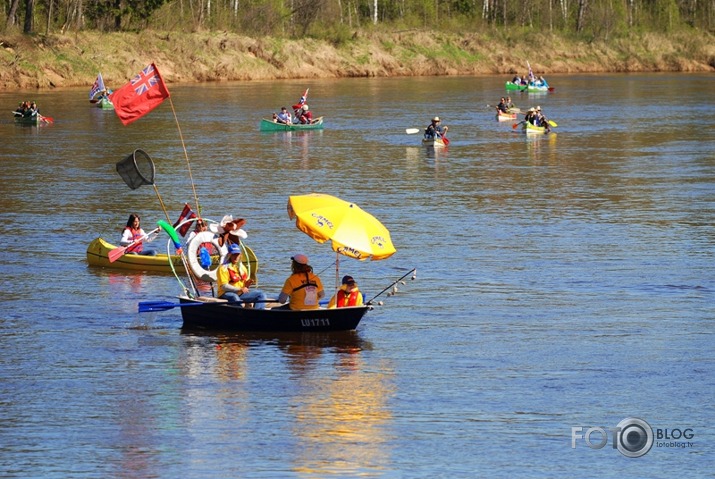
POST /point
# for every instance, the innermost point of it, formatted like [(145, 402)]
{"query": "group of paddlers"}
[(27, 109)]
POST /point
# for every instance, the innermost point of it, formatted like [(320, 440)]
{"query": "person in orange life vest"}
[(347, 295), (233, 281), (133, 232), (306, 116), (303, 287)]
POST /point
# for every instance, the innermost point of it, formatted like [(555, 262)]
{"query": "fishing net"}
[(136, 169)]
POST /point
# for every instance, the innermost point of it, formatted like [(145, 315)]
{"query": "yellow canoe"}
[(98, 255), (98, 251)]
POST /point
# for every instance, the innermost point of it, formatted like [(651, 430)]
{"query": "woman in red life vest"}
[(347, 295), (135, 236)]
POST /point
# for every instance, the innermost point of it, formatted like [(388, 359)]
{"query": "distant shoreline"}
[(55, 61)]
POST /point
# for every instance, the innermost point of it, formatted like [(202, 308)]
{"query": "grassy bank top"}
[(38, 62)]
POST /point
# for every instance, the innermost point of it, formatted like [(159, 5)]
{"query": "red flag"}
[(186, 214), (141, 95)]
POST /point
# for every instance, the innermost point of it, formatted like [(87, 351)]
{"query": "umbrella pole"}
[(337, 271)]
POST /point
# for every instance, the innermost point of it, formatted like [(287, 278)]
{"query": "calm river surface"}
[(564, 281)]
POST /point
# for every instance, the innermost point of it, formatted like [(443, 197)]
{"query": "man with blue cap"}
[(233, 281)]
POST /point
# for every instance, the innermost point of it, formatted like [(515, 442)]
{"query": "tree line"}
[(594, 19)]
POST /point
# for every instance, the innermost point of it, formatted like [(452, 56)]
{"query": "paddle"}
[(412, 131), (515, 125), (46, 119), (17, 113), (151, 306), (117, 253), (445, 140), (552, 123)]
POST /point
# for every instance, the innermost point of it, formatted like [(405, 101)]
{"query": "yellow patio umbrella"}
[(352, 231)]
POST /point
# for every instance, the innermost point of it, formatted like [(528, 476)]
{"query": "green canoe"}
[(105, 104), (270, 125)]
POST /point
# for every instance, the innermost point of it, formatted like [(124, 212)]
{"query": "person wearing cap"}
[(540, 119), (435, 129), (304, 115), (347, 295), (303, 287), (530, 115), (233, 281)]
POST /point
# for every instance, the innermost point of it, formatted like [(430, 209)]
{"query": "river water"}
[(564, 282)]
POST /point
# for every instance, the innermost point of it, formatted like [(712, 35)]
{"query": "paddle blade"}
[(552, 123), (514, 125), (445, 140), (150, 306), (116, 253), (551, 88), (412, 131)]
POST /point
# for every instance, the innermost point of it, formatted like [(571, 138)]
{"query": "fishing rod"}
[(414, 276)]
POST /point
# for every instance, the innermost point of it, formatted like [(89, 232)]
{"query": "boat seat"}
[(211, 299)]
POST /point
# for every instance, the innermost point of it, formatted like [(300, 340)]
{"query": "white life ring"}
[(192, 253)]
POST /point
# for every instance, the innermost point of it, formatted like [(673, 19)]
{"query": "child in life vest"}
[(347, 295)]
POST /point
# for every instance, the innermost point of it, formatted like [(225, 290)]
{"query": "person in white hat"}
[(435, 130), (530, 115), (303, 287), (305, 116)]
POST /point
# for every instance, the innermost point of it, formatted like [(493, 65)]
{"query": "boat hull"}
[(433, 143), (105, 104), (506, 116), (270, 125), (220, 316), (27, 120), (98, 255), (530, 129), (528, 88)]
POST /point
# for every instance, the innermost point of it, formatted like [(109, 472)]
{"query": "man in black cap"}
[(347, 295)]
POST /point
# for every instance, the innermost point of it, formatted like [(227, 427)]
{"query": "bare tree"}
[(12, 13), (582, 7)]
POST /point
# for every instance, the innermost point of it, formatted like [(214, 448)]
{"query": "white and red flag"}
[(302, 100), (141, 95)]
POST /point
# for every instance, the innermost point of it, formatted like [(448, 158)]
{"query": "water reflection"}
[(334, 407)]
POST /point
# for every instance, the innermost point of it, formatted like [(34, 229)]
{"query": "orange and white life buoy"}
[(193, 255)]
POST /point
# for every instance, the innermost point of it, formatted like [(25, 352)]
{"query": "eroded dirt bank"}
[(54, 61)]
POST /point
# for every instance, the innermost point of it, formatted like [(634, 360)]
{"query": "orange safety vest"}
[(344, 299)]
